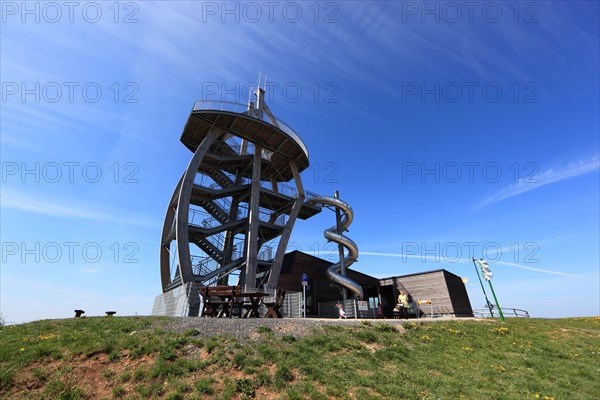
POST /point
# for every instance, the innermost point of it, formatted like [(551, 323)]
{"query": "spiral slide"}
[(331, 234)]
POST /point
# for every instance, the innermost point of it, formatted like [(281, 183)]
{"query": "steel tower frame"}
[(231, 203)]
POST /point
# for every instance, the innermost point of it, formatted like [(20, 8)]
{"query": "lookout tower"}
[(231, 214)]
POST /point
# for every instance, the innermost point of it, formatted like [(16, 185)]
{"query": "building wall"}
[(320, 288), (445, 290), (458, 295)]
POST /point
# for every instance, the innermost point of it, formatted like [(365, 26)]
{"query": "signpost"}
[(487, 275), (487, 302), (304, 284)]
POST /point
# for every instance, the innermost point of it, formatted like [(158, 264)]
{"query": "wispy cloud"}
[(68, 209), (547, 177), (546, 271), (466, 260)]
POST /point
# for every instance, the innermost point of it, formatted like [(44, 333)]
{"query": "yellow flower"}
[(22, 348), (537, 395), (25, 339), (498, 368), (499, 331)]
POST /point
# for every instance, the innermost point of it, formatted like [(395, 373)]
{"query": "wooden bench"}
[(274, 306), (219, 301), (110, 313), (79, 313)]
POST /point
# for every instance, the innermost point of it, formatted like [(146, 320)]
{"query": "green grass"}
[(130, 358)]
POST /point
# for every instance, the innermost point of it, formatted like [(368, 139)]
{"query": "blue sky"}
[(452, 131)]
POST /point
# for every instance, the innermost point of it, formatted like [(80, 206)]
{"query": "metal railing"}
[(203, 265), (508, 312), (239, 108), (267, 254), (239, 150)]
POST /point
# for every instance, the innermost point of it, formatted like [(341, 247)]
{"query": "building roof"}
[(421, 273), (289, 258)]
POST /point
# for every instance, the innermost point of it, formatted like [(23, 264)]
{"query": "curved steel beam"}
[(183, 204), (165, 254)]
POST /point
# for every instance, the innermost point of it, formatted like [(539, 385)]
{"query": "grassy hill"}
[(144, 357)]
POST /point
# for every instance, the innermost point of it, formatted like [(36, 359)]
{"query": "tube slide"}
[(333, 272)]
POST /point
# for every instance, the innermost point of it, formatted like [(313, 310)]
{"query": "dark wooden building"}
[(319, 288), (446, 290)]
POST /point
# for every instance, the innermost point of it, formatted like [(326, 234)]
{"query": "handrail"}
[(266, 254), (508, 312), (239, 108)]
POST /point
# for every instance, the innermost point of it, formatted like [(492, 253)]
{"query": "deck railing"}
[(507, 312), (239, 108)]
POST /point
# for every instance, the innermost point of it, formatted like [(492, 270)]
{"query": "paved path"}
[(242, 328)]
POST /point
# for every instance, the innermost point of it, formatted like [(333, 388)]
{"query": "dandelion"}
[(25, 339), (426, 338), (537, 396), (499, 331), (22, 349), (467, 349), (498, 368)]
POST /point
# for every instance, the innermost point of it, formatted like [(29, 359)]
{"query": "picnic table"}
[(219, 301)]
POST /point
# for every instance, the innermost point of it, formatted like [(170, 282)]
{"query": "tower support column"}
[(273, 281), (253, 221)]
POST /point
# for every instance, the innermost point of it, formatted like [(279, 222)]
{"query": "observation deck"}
[(271, 133)]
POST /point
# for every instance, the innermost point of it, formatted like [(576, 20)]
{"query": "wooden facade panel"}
[(458, 295), (430, 286)]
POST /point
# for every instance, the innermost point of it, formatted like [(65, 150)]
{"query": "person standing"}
[(403, 304)]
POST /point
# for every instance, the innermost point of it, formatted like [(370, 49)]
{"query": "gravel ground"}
[(243, 329)]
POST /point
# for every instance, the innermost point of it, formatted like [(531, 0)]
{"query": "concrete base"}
[(183, 301)]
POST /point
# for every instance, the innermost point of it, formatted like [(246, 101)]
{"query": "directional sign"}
[(363, 306), (485, 269), (304, 277)]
